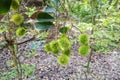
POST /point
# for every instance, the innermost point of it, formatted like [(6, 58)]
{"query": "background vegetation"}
[(93, 24)]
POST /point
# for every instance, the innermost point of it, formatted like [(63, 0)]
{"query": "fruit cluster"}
[(84, 49), (61, 45)]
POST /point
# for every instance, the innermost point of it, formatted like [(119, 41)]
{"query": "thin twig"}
[(28, 40)]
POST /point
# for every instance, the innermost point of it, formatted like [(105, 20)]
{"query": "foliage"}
[(27, 71), (63, 30), (96, 20), (9, 75), (15, 4), (44, 25), (5, 6), (44, 17)]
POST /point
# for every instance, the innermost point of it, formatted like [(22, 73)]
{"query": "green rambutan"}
[(20, 31), (63, 60), (55, 47), (67, 52), (17, 19), (64, 43), (84, 50), (47, 48), (84, 39)]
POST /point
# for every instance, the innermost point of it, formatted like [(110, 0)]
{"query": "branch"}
[(28, 40), (31, 39)]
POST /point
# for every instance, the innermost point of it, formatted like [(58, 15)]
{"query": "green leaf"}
[(63, 30), (5, 6), (55, 3), (43, 25), (49, 9), (15, 4), (44, 17)]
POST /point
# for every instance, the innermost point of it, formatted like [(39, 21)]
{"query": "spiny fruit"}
[(64, 43), (63, 35), (67, 52), (17, 18), (63, 30), (84, 50), (55, 47), (47, 48), (63, 60), (84, 39), (15, 4), (20, 31)]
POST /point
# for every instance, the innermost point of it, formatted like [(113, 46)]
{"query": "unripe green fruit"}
[(55, 47), (64, 43), (47, 48), (20, 31), (63, 35), (15, 4), (17, 18), (63, 60), (84, 50), (84, 39), (67, 52)]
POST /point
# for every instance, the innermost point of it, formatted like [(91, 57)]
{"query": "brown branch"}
[(28, 40), (31, 39), (89, 60)]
